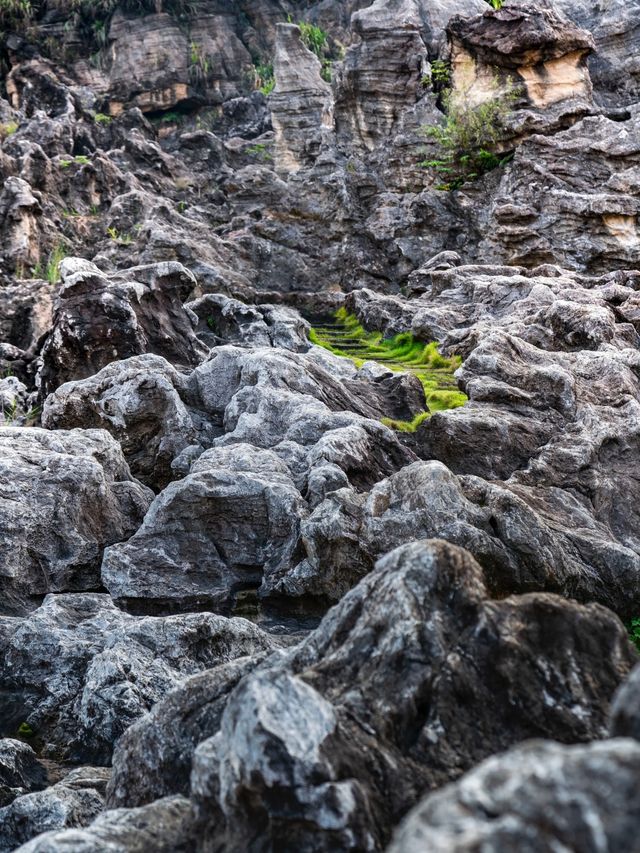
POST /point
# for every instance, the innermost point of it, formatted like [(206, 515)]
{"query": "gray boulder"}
[(64, 496), (20, 770), (537, 797), (412, 679), (75, 801), (165, 826), (79, 671)]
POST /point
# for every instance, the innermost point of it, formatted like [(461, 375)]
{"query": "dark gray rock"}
[(537, 797), (79, 671), (165, 826), (20, 770), (415, 676), (625, 710), (64, 496), (75, 801), (99, 319)]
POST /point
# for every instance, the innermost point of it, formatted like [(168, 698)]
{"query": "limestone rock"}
[(64, 496), (326, 746), (99, 319), (79, 671), (75, 801), (165, 826), (20, 770), (301, 103), (538, 796)]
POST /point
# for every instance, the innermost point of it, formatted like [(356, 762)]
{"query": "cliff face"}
[(319, 425)]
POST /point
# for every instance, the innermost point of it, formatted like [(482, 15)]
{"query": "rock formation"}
[(319, 426)]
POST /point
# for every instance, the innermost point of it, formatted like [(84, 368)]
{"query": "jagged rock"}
[(301, 103), (625, 710), (63, 497), (540, 796), (19, 211), (153, 757), (570, 199), (75, 801), (79, 671), (411, 679), (616, 32), (99, 319), (140, 401), (228, 321), (267, 397), (529, 53), (231, 521), (165, 826), (20, 770)]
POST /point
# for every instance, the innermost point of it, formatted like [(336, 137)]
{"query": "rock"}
[(98, 320), (153, 757), (625, 710), (616, 33), (64, 496), (586, 222), (410, 680), (301, 102), (79, 671), (75, 801), (233, 519), (141, 402), (165, 826), (539, 796), (20, 771)]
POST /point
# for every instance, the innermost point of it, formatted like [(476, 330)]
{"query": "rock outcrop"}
[(519, 800)]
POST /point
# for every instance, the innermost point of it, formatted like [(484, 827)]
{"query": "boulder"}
[(75, 801), (540, 796), (20, 770), (414, 677), (78, 671), (64, 496)]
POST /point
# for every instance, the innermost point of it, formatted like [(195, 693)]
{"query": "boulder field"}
[(319, 426)]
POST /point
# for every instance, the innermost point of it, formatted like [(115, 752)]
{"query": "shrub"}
[(466, 140), (53, 264), (264, 78)]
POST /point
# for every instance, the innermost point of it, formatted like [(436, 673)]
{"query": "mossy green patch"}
[(402, 353)]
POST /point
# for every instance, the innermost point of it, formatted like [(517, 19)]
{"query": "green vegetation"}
[(496, 4), (259, 150), (401, 353), (25, 730), (102, 119), (52, 272), (121, 239), (81, 160), (440, 74), (466, 140), (8, 129), (317, 41), (265, 80), (634, 632)]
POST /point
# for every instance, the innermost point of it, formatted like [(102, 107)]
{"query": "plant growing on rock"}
[(467, 140), (53, 264)]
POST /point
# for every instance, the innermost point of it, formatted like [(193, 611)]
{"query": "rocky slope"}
[(320, 441)]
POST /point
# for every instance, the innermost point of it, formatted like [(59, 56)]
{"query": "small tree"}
[(467, 138)]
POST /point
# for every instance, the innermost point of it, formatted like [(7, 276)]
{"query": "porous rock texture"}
[(196, 195)]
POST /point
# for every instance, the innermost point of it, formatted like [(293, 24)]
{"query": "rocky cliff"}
[(319, 426)]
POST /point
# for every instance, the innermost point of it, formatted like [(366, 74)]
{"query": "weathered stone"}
[(165, 826), (64, 496), (98, 320), (326, 746), (79, 671), (20, 770), (75, 801), (540, 796)]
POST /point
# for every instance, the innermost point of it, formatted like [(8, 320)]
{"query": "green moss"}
[(25, 730), (634, 632), (402, 353)]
